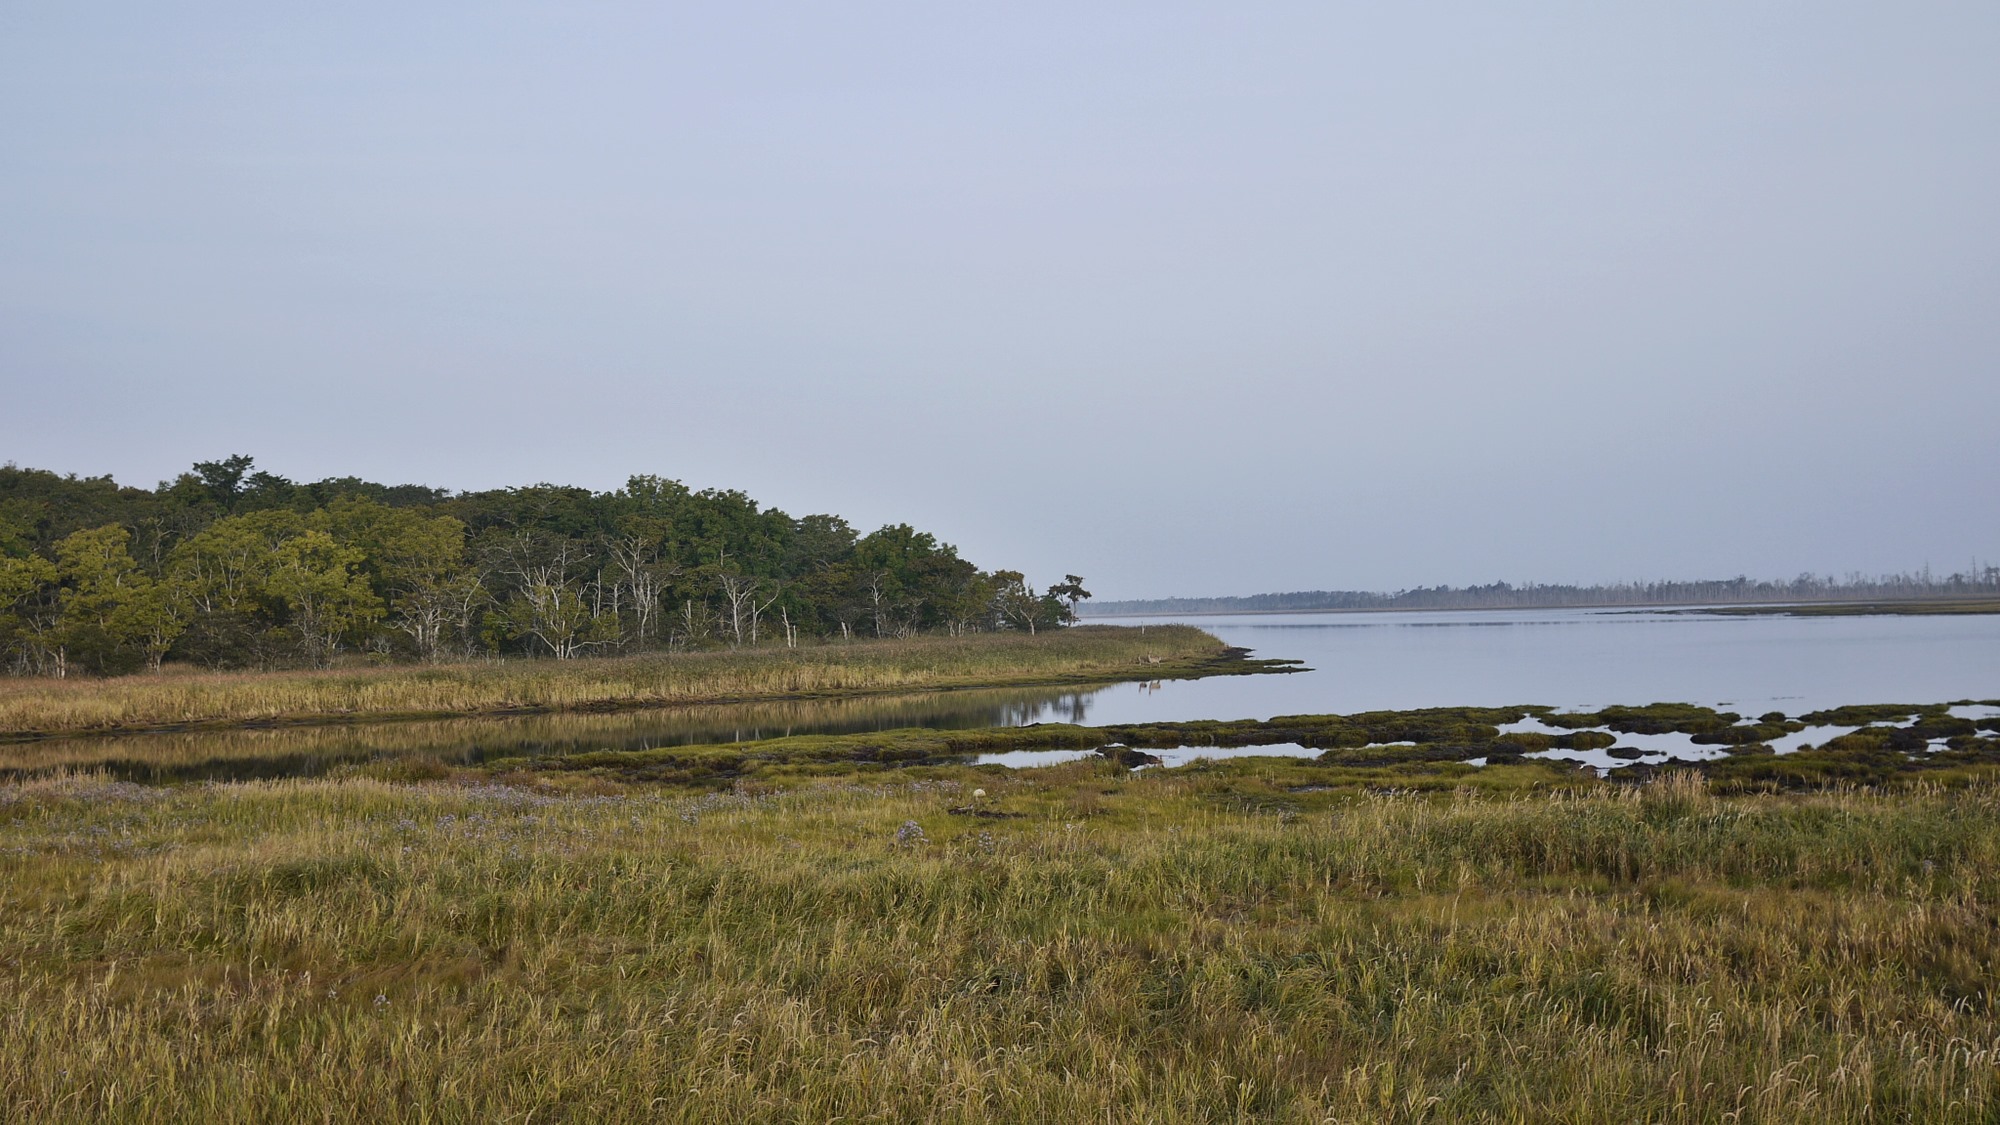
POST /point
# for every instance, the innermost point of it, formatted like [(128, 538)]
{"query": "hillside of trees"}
[(229, 567), (1977, 582)]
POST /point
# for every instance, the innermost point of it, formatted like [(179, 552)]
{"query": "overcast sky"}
[(1188, 299)]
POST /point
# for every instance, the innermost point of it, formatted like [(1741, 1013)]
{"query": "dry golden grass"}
[(1084, 654), (242, 754), (1203, 944)]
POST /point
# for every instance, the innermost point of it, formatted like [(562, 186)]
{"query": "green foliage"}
[(1017, 605), (316, 577), (236, 567), (102, 601), (26, 620), (1070, 592), (223, 479), (417, 565), (20, 577)]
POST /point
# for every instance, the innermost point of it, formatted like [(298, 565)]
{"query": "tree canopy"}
[(227, 566)]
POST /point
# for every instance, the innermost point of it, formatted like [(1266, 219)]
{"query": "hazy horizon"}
[(1182, 299)]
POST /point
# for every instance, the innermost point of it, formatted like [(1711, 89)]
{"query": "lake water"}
[(1577, 659), (1571, 659)]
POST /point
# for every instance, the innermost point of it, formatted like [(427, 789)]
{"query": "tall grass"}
[(307, 750), (1083, 654), (1192, 945)]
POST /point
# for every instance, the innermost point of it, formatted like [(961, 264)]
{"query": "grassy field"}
[(312, 749), (1213, 943), (1086, 654)]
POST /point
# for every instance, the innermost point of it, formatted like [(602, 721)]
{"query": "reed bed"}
[(1079, 944), (308, 750), (40, 707)]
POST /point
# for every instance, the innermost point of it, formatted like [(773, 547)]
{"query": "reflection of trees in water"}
[(941, 710), (309, 751), (1069, 707), (1064, 707)]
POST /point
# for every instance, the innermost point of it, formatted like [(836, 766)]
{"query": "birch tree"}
[(549, 602), (740, 596), (643, 578), (433, 594)]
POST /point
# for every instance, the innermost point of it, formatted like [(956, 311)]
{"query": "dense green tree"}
[(43, 507), (416, 565), (1018, 606), (154, 618), (318, 580), (909, 581), (98, 602), (15, 537), (232, 566), (20, 577), (1070, 593), (27, 584), (1014, 600), (224, 479), (223, 566)]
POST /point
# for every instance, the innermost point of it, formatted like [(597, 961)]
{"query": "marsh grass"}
[(1420, 740), (1201, 944), (314, 749), (1086, 654)]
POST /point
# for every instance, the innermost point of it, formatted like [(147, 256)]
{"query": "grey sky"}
[(1187, 299)]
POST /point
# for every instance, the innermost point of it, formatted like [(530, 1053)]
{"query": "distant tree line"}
[(229, 567), (1976, 582)]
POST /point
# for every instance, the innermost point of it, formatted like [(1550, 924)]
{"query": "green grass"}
[(1246, 940), (1086, 654)]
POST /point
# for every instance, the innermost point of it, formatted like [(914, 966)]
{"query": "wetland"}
[(1558, 866)]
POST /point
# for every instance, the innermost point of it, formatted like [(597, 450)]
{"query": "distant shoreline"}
[(1827, 608), (1929, 607)]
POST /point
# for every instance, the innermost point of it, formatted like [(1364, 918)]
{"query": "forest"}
[(1978, 581), (227, 566)]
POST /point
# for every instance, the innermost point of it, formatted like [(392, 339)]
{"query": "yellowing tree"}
[(421, 567), (316, 576), (101, 590)]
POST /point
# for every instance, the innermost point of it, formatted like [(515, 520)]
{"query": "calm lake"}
[(1581, 659)]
